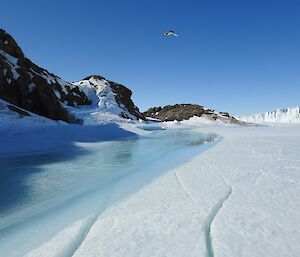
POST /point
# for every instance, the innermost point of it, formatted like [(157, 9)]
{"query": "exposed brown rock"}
[(177, 112), (123, 97), (181, 112)]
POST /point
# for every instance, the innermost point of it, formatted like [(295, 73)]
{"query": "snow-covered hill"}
[(28, 86), (284, 115), (109, 101)]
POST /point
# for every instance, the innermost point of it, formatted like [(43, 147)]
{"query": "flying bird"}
[(170, 33)]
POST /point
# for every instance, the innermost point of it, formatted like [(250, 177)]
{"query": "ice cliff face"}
[(284, 115), (182, 112), (30, 87)]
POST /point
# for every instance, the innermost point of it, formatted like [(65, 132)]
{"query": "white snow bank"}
[(206, 119), (10, 120)]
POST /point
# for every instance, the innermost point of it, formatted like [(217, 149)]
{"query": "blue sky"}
[(238, 56)]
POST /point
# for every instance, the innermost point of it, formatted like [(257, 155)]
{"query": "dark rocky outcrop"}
[(33, 88), (95, 77), (182, 112), (177, 112), (123, 98)]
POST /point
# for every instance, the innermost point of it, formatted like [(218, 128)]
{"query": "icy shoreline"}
[(32, 213)]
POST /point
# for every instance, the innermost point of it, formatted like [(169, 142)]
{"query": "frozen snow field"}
[(239, 198)]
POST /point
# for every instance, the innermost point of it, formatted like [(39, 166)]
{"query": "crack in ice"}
[(215, 210), (184, 189), (212, 215)]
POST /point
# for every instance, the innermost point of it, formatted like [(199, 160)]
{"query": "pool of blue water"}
[(43, 193)]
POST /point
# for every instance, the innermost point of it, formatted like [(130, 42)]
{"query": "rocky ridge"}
[(182, 112)]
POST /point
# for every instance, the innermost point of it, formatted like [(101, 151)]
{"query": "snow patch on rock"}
[(12, 62)]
